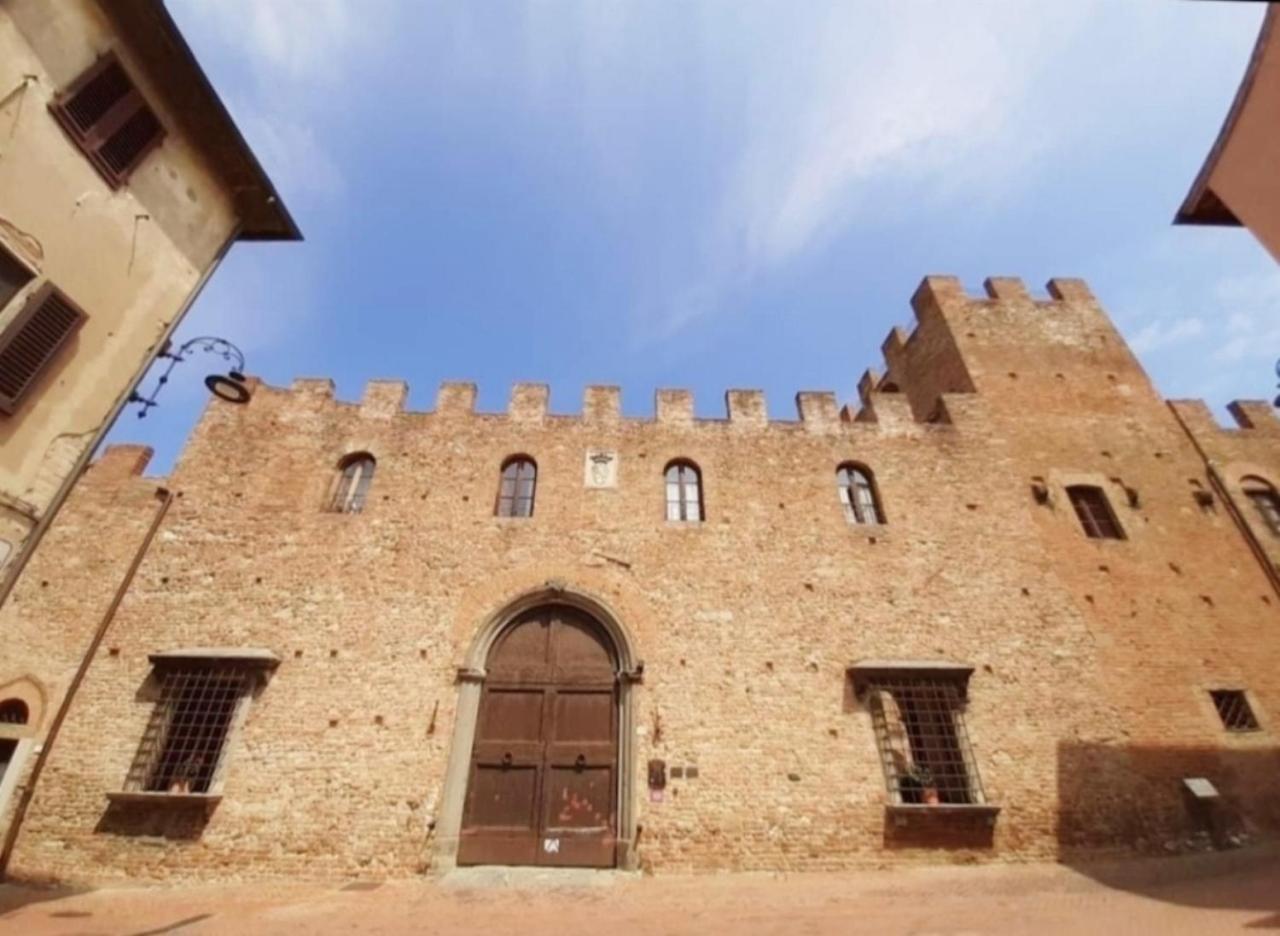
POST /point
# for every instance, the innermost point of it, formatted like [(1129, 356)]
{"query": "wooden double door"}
[(543, 783)]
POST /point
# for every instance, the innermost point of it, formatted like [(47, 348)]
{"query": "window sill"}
[(907, 813), (164, 800)]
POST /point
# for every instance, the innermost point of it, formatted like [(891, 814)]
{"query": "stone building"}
[(123, 183), (1012, 606)]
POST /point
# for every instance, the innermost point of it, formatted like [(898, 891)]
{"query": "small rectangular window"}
[(30, 342), (1267, 503), (1234, 709), (1094, 511), (13, 276), (924, 747), (106, 116), (186, 736)]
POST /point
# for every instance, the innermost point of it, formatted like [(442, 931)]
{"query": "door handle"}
[(506, 760), (581, 762)]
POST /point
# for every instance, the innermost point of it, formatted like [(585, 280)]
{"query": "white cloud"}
[(1252, 306), (1161, 334), (907, 92), (306, 40)]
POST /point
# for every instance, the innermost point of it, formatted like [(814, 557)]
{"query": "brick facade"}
[(1092, 659)]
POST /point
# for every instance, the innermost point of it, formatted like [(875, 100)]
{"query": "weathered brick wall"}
[(1091, 658)]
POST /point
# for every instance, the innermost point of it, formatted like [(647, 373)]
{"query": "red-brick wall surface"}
[(1092, 659)]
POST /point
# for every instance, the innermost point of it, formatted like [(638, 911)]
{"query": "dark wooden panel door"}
[(543, 783)]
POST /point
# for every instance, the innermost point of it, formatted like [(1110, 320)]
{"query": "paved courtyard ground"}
[(1231, 893)]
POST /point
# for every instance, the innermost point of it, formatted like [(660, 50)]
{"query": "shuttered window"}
[(106, 116), (13, 276), (31, 341)]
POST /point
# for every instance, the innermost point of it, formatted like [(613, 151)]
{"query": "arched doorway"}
[(542, 785)]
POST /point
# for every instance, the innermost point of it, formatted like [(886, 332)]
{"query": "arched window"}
[(858, 494), (1265, 500), (355, 474), (684, 492), (519, 481), (14, 712), (1095, 513)]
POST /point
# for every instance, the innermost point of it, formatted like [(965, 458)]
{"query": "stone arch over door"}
[(581, 613)]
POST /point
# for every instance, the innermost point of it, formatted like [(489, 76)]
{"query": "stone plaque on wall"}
[(601, 470)]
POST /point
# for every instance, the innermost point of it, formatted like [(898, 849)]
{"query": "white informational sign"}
[(1201, 788), (551, 846)]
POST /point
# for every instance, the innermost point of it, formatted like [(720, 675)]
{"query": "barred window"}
[(924, 746), (355, 475), (1234, 709), (684, 492), (858, 494), (517, 487), (186, 736), (1094, 511), (1265, 500)]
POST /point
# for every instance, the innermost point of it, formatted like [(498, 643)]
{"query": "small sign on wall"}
[(601, 469)]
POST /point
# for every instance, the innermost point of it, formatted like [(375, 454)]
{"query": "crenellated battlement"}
[(745, 410), (961, 345), (1253, 418)]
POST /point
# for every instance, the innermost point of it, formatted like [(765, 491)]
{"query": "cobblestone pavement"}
[(1239, 892)]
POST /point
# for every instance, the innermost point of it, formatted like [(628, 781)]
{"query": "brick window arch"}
[(351, 489), (858, 494), (684, 491), (1094, 512), (517, 487), (1262, 494), (14, 712)]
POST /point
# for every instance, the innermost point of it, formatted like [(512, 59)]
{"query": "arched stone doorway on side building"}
[(540, 769)]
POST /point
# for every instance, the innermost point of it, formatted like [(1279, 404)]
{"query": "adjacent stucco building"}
[(1004, 609), (123, 182), (1238, 184)]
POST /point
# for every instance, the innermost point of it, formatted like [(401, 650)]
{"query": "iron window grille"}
[(858, 495), (1094, 511), (1266, 501), (355, 475), (1234, 709), (517, 487), (922, 739), (185, 739), (684, 492)]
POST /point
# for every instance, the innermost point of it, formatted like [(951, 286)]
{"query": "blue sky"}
[(716, 194)]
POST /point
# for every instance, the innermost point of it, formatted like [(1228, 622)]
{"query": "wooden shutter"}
[(30, 342), (103, 112)]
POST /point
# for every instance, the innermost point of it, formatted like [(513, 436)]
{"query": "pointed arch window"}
[(858, 494), (1262, 494), (684, 492), (351, 490), (517, 488)]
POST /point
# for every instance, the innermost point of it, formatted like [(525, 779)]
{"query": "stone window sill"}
[(164, 800), (908, 813)]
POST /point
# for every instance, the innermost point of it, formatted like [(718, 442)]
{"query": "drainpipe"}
[(1219, 486), (19, 814), (50, 512)]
